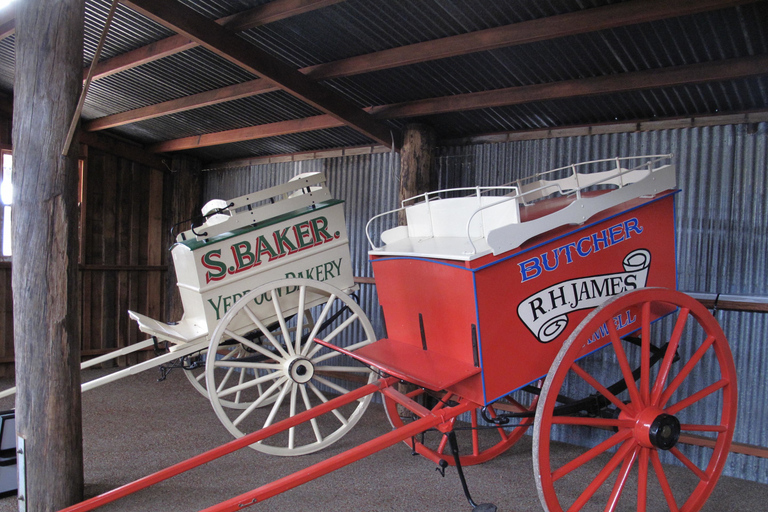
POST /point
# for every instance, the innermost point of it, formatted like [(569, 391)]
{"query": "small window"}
[(6, 198)]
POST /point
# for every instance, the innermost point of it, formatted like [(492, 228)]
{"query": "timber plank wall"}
[(123, 262), (126, 212)]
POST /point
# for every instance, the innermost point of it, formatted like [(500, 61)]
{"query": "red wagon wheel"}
[(644, 401), (486, 442)]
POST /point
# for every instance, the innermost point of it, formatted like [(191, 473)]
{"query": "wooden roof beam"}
[(261, 15), (519, 33), (227, 45), (652, 79), (542, 29), (321, 122)]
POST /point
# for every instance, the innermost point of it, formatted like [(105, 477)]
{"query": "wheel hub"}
[(664, 432), (301, 370)]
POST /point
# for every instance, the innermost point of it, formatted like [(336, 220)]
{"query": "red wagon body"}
[(496, 323)]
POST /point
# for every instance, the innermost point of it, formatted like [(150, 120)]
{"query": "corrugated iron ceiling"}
[(344, 29)]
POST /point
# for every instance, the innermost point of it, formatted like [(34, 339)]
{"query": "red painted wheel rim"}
[(658, 394)]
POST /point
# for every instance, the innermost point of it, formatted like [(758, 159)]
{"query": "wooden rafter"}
[(651, 79), (611, 16), (227, 45), (320, 122), (656, 78), (263, 14)]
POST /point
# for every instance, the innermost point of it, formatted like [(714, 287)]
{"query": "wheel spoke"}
[(602, 476), (645, 353), (318, 324), (300, 318), (332, 353), (686, 370), (702, 428), (266, 332), (247, 365), (590, 454), (276, 406), (664, 482), (699, 395), (281, 320), (690, 465), (578, 370), (626, 371), (642, 480), (225, 380), (621, 479), (669, 355), (344, 369), (332, 335), (291, 414), (256, 403), (249, 384), (248, 343), (500, 430), (324, 399), (475, 434), (313, 421), (593, 422), (341, 390), (240, 383)]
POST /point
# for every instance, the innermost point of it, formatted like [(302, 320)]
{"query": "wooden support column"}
[(417, 173), (49, 64)]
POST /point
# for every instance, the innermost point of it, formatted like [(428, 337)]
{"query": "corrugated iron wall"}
[(722, 233)]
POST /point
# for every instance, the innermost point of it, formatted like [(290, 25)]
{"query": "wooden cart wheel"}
[(645, 401), (289, 373), (479, 442), (194, 369)]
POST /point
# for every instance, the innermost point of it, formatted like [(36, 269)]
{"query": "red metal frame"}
[(429, 419)]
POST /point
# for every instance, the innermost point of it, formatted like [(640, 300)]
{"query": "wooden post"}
[(417, 176), (416, 162), (49, 71)]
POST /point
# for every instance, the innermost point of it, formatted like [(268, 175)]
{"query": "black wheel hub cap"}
[(664, 432)]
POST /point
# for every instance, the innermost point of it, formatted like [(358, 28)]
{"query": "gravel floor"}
[(137, 426)]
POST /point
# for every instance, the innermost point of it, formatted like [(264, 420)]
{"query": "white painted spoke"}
[(281, 320), (318, 323), (313, 421), (246, 364), (344, 369), (332, 353), (340, 328), (260, 400), (331, 385), (266, 332), (240, 383), (248, 343), (300, 318), (322, 397), (276, 407), (225, 379), (249, 384), (291, 414)]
